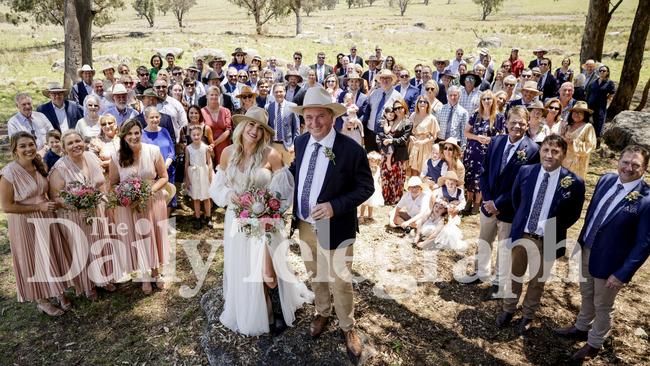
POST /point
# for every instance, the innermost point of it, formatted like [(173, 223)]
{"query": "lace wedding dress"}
[(245, 308)]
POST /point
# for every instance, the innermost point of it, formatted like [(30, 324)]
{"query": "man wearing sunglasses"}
[(170, 106), (321, 68), (354, 58), (143, 80), (298, 66), (193, 75), (85, 86), (547, 83), (453, 64), (408, 91)]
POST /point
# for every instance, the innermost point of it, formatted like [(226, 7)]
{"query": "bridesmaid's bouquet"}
[(83, 197), (132, 192), (259, 212)]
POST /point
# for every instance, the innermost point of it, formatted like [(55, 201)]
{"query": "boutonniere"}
[(330, 154), (566, 182), (521, 156), (632, 196)]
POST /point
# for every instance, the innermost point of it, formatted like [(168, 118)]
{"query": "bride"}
[(260, 293)]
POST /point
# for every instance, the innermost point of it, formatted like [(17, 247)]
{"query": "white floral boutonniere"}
[(330, 154), (566, 182), (632, 196), (521, 156)]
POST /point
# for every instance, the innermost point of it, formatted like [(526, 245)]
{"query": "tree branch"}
[(614, 8)]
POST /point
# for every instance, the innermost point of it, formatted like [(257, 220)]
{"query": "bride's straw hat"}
[(257, 115)]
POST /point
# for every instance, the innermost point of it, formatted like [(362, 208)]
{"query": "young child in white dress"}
[(451, 237), (429, 228), (352, 126), (377, 199), (198, 176)]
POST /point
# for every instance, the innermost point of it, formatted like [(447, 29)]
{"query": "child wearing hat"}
[(352, 126), (377, 199), (411, 207)]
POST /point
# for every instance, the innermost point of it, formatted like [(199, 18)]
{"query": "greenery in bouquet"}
[(259, 212), (83, 197), (132, 192)]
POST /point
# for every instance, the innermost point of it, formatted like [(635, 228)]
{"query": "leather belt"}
[(535, 236)]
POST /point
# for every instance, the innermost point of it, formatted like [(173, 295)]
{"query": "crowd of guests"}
[(446, 141)]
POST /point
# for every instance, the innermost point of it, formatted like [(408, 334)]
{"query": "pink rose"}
[(274, 204), (246, 199), (125, 202), (277, 216), (244, 214)]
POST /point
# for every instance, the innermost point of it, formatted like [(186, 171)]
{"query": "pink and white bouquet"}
[(259, 212), (132, 192), (83, 197)]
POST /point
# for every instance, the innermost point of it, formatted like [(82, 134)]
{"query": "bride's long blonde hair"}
[(237, 156)]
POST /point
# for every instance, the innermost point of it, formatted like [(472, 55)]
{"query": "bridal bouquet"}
[(83, 197), (259, 212), (132, 192)]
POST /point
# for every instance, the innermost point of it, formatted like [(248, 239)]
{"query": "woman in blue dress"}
[(599, 93), (155, 135)]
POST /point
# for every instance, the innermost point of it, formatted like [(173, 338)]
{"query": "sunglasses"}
[(232, 76), (404, 76), (141, 75), (418, 71), (297, 58), (510, 85), (448, 148), (246, 96), (177, 73), (321, 57), (554, 108), (92, 105), (129, 83), (543, 64), (486, 99), (397, 108), (253, 72), (124, 72), (423, 102), (106, 124), (602, 70), (331, 81), (242, 76), (190, 85), (526, 76), (430, 89)]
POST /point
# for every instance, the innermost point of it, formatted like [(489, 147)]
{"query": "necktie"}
[(504, 158), (306, 188), (449, 118), (380, 107), (591, 236), (278, 122), (537, 206)]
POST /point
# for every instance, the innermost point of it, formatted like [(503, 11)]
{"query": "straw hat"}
[(581, 106), (453, 142), (53, 87), (239, 50), (414, 181), (448, 73), (293, 73), (386, 73), (436, 60), (246, 90), (85, 68), (589, 62), (372, 58), (108, 67), (171, 191), (449, 175), (118, 88), (149, 93), (531, 86), (536, 105), (354, 75), (216, 59), (319, 98), (539, 49), (259, 58), (257, 115)]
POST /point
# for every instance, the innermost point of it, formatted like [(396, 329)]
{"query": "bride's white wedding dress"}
[(245, 308)]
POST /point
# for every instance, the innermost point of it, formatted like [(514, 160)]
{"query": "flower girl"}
[(377, 199), (198, 175)]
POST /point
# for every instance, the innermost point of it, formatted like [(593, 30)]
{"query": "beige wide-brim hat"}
[(118, 88), (85, 68), (436, 60), (171, 191), (453, 142), (293, 73), (536, 105), (589, 63), (531, 86), (257, 115), (581, 106), (53, 87), (149, 93), (386, 73), (414, 181), (319, 98), (449, 175), (246, 90), (354, 75)]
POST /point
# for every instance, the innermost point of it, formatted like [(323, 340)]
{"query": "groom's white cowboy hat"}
[(257, 115), (319, 98)]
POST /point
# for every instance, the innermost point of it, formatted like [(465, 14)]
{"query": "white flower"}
[(258, 208)]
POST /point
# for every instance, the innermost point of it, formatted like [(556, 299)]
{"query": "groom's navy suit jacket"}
[(566, 205), (348, 183), (497, 186), (622, 243)]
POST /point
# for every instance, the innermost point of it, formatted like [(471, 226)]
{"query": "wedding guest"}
[(505, 156), (352, 126), (144, 161), (198, 172), (537, 129), (156, 63), (581, 138), (410, 207), (285, 123), (553, 111), (247, 98), (79, 165), (23, 197), (424, 132), (431, 225), (566, 99), (155, 135), (393, 135), (599, 95), (89, 126), (482, 126), (54, 151), (432, 170), (452, 155), (539, 212), (614, 242), (377, 199), (563, 73), (219, 120), (452, 117), (432, 89), (28, 120), (501, 99), (110, 141)]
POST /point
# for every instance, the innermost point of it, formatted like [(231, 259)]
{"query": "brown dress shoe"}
[(504, 319), (352, 343), (585, 353), (318, 325), (572, 332)]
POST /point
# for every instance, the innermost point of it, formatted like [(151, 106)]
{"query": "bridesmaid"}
[(78, 165), (23, 196), (219, 120), (147, 245)]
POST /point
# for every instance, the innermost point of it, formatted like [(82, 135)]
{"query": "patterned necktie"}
[(278, 122), (380, 107), (533, 221), (504, 158), (591, 236), (306, 188), (449, 119)]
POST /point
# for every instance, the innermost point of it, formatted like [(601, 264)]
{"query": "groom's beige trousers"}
[(329, 270)]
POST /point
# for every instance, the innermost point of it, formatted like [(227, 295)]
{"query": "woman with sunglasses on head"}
[(393, 137), (331, 84), (599, 94), (553, 112), (424, 131), (481, 127), (219, 119)]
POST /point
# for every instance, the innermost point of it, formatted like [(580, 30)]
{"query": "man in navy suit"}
[(285, 123), (332, 178), (62, 114), (505, 156), (615, 242), (547, 83), (548, 200), (354, 58), (408, 91)]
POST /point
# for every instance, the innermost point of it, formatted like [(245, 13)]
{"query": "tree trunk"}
[(593, 37), (633, 60), (85, 17), (258, 22), (298, 21), (72, 44), (179, 17)]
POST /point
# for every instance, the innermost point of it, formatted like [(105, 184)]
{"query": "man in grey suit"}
[(285, 123)]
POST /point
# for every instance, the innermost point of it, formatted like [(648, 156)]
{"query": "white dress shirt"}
[(322, 163), (553, 179), (175, 110), (627, 188), (62, 117), (513, 150), (39, 126), (413, 206)]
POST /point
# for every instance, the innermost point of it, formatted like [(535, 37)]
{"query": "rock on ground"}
[(178, 52), (628, 127), (494, 42)]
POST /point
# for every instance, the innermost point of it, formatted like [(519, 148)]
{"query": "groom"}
[(332, 177)]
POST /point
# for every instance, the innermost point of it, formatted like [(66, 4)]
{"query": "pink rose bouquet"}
[(132, 192), (82, 196), (259, 212)]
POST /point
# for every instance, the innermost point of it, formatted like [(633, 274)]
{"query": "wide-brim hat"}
[(531, 86), (448, 73), (536, 105), (259, 58), (539, 49), (477, 79), (581, 106), (108, 67), (193, 68), (85, 68), (372, 58), (589, 62), (414, 181), (171, 191), (239, 50), (149, 93), (449, 175), (246, 90), (353, 75), (53, 87), (212, 75), (215, 60), (319, 98), (386, 73), (118, 88), (257, 115), (293, 73), (453, 142), (436, 60)]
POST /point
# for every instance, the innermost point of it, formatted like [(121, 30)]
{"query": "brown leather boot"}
[(352, 343), (585, 353), (318, 325)]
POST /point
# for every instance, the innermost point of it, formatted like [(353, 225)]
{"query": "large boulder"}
[(628, 127), (178, 52)]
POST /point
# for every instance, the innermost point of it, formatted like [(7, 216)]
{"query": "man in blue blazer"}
[(408, 91), (505, 155), (548, 200), (615, 242), (287, 128), (332, 178), (62, 114)]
